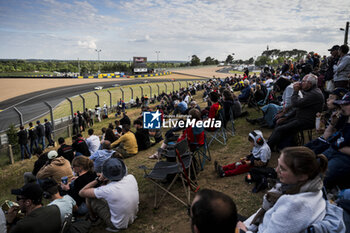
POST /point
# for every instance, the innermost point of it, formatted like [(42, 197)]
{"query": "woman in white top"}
[(297, 201)]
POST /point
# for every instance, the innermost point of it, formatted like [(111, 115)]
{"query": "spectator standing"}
[(37, 218), (332, 60), (33, 137), (66, 151), (86, 117), (23, 142), (75, 122), (98, 113), (93, 141), (105, 110), (40, 130), (117, 200), (342, 68), (48, 133), (82, 123)]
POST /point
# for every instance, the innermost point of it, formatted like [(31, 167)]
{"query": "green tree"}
[(262, 60), (229, 59), (195, 61)]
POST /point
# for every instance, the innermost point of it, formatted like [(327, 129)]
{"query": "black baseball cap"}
[(31, 191), (335, 47)]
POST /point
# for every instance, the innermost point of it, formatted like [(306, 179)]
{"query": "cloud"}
[(146, 38), (177, 28), (89, 43)]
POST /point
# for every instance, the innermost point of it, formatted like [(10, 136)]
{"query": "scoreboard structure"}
[(140, 65)]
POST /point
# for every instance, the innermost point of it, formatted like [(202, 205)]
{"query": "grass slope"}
[(171, 216)]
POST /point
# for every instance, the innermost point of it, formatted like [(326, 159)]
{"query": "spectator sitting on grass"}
[(113, 196), (142, 136), (127, 144), (55, 168), (93, 141), (66, 151), (259, 157), (125, 120), (38, 164), (101, 155), (83, 168), (37, 217), (79, 146), (65, 203)]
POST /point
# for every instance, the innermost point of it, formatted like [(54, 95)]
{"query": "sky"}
[(178, 29)]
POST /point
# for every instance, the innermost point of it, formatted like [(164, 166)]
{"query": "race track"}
[(32, 105)]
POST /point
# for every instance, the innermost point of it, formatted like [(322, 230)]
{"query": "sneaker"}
[(110, 229), (251, 121), (154, 156), (221, 171)]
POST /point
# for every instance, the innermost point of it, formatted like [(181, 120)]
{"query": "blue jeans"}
[(41, 140), (33, 143), (25, 147), (338, 172)]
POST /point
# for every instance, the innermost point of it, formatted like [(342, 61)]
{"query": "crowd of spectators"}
[(90, 176)]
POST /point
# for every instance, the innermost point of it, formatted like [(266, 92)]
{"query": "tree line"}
[(268, 57)]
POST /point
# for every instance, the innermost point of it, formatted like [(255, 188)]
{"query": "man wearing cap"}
[(338, 153), (55, 168), (116, 200), (342, 68), (37, 218), (332, 60), (40, 130)]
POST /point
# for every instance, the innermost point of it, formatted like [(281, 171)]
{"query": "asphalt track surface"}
[(32, 105)]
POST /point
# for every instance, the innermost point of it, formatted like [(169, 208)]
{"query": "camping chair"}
[(301, 138), (219, 134), (249, 100), (179, 169), (232, 129), (266, 99), (66, 223), (202, 153)]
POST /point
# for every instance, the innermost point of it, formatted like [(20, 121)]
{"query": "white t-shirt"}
[(65, 205), (3, 227), (93, 143), (123, 200)]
